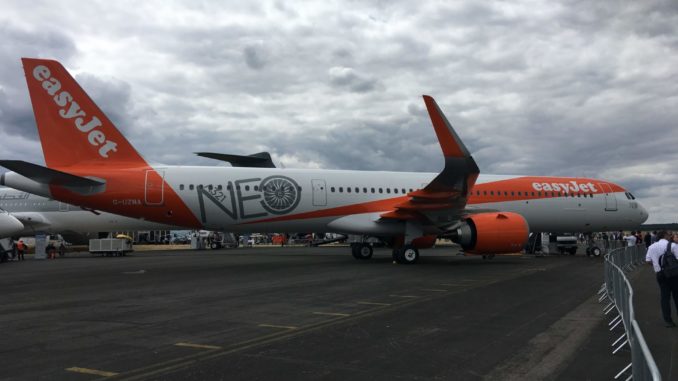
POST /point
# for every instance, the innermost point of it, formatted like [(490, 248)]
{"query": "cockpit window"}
[(629, 196), (632, 196)]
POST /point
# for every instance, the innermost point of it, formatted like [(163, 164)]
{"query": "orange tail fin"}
[(73, 129)]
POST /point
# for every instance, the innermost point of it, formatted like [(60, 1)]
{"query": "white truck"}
[(110, 246)]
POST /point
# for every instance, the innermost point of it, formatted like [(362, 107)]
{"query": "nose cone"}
[(643, 213), (9, 225)]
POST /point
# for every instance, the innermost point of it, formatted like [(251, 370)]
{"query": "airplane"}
[(90, 163), (26, 214)]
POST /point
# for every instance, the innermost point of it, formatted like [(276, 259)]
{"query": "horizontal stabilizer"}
[(48, 176), (257, 160)]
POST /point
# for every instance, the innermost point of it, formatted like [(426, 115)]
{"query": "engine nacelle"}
[(9, 225), (492, 233)]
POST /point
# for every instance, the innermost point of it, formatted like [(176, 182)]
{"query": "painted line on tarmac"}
[(331, 314), (199, 346), (374, 303), (278, 326), (179, 363), (433, 289), (92, 371)]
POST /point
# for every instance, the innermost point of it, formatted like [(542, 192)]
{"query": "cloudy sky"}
[(572, 88)]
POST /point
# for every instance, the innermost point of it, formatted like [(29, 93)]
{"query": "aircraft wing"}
[(256, 160), (442, 202)]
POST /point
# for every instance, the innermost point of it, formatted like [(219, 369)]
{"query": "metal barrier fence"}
[(618, 290)]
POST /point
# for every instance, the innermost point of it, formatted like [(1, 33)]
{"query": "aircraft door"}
[(610, 198), (155, 187), (319, 192)]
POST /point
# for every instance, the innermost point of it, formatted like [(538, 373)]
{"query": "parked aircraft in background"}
[(31, 214), (90, 163), (9, 225)]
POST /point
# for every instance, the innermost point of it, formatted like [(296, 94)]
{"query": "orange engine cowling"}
[(493, 233)]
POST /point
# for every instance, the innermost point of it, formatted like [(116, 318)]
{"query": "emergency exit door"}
[(155, 187), (319, 192)]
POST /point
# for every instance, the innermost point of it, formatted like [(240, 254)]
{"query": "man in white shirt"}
[(630, 239), (667, 287)]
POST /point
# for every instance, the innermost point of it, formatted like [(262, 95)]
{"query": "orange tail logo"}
[(73, 130)]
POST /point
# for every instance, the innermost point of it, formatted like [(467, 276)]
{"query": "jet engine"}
[(492, 233), (9, 225)]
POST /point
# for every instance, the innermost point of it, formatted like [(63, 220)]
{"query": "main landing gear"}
[(405, 255), (361, 250)]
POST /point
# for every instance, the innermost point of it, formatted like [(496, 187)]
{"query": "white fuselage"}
[(240, 204)]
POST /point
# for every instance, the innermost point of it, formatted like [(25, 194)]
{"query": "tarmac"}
[(309, 314)]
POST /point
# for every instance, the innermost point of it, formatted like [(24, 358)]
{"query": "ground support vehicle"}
[(110, 246)]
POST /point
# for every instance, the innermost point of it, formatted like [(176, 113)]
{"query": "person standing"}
[(20, 249), (630, 239), (647, 239), (667, 287)]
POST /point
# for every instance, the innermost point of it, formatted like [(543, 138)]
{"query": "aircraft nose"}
[(644, 215)]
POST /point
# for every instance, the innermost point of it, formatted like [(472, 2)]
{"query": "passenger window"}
[(341, 189), (395, 190), (491, 193), (357, 190), (484, 193), (220, 187), (372, 189), (247, 187), (364, 190), (181, 187), (332, 189), (348, 189), (411, 190), (403, 191), (388, 190), (505, 193), (381, 190), (210, 187)]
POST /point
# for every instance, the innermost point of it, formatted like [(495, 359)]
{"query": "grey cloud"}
[(112, 96), (347, 77), (254, 56), (16, 115)]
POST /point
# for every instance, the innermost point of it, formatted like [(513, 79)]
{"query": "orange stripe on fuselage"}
[(528, 188), (524, 185)]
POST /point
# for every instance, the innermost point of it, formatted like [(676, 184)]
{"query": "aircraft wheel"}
[(361, 251), (406, 255), (596, 252)]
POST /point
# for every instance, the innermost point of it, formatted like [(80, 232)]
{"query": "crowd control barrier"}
[(618, 291)]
